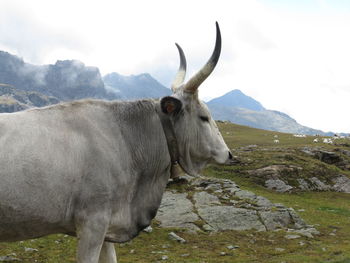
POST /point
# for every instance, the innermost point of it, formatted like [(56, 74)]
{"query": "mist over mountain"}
[(135, 86), (65, 80)]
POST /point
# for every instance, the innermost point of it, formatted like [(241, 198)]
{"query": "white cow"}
[(96, 169)]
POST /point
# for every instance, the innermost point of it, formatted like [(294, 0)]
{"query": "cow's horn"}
[(193, 84), (181, 73)]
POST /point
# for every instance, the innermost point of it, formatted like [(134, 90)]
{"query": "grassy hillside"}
[(329, 212), (257, 149)]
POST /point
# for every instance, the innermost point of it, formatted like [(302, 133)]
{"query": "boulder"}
[(231, 218), (278, 185), (226, 208), (177, 211), (341, 184)]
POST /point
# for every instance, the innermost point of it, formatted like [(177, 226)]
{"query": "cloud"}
[(31, 39)]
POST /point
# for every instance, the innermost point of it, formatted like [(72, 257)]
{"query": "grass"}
[(329, 212)]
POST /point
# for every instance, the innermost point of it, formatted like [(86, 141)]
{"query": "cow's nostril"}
[(230, 156)]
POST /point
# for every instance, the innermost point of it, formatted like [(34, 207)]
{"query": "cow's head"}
[(199, 139)]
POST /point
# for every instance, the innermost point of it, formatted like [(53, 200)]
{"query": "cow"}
[(97, 169)]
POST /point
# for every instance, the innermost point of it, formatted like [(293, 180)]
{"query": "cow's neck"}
[(173, 147)]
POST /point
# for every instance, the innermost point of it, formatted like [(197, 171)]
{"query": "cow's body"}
[(61, 163)]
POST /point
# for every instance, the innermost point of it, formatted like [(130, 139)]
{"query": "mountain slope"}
[(236, 98), (12, 99), (135, 86), (249, 113)]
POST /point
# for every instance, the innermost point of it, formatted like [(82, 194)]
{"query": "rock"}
[(148, 229), (243, 194), (231, 218), (8, 259), (303, 185), (278, 249), (319, 185), (275, 219), (213, 187), (231, 247), (345, 152), (298, 221), (232, 190), (205, 199), (263, 202), (308, 151), (328, 157), (275, 171), (29, 249), (277, 185), (177, 238), (177, 211), (341, 184), (307, 232), (208, 228), (165, 257), (292, 236), (238, 210)]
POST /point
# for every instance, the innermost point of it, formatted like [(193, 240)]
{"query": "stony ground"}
[(210, 204)]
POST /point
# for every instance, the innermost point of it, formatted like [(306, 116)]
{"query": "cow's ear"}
[(170, 105)]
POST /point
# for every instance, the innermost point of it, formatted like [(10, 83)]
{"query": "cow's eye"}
[(204, 118)]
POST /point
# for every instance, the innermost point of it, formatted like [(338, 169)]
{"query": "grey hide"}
[(67, 166)]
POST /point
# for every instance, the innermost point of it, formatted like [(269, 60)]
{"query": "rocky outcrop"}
[(12, 100), (217, 205), (278, 177), (341, 184), (330, 157)]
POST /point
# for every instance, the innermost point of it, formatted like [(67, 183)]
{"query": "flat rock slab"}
[(205, 199), (275, 219), (177, 211), (342, 184), (231, 218), (215, 205)]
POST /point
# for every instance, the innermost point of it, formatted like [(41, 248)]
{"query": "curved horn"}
[(181, 73), (193, 84)]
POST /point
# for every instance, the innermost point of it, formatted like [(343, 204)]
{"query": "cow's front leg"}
[(91, 233), (108, 254)]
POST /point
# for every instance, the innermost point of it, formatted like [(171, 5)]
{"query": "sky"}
[(292, 56)]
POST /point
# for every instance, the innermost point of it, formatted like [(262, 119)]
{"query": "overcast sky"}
[(292, 56)]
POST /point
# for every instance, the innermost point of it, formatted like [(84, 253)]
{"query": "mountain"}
[(237, 99), (12, 99), (135, 86), (65, 80), (238, 108)]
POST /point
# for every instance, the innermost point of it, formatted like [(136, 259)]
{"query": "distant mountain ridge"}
[(238, 108), (65, 80), (23, 85), (236, 98)]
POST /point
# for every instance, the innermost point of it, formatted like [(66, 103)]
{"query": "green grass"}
[(329, 212)]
